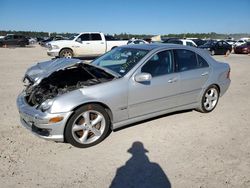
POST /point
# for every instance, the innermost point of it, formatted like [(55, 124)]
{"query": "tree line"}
[(211, 35)]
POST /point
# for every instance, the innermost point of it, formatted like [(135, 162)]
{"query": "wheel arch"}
[(107, 109), (66, 48)]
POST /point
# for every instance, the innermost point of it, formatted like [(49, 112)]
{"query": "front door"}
[(160, 93), (83, 45)]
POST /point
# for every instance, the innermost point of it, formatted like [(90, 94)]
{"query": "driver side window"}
[(160, 64), (85, 37)]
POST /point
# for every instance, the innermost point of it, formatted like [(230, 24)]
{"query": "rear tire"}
[(88, 126), (22, 44), (66, 53), (209, 99)]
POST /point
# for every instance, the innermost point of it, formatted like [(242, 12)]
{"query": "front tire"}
[(88, 126), (22, 44), (209, 99), (66, 53)]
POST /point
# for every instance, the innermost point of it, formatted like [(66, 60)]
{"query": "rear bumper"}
[(224, 86), (38, 123)]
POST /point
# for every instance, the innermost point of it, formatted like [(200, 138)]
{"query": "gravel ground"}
[(187, 149)]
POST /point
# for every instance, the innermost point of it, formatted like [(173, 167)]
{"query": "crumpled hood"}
[(44, 69)]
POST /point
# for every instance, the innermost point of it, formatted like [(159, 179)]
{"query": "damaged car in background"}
[(67, 100)]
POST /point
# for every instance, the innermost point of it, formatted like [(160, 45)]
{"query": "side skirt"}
[(154, 114)]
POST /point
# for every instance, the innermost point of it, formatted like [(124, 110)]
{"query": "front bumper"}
[(38, 122), (53, 52)]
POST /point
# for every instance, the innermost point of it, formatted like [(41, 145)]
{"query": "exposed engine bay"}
[(63, 81)]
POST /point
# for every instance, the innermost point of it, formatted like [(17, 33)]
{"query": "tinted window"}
[(189, 44), (185, 59), (219, 43), (160, 64), (175, 41), (85, 37), (96, 36), (201, 62), (16, 36), (9, 37), (108, 37)]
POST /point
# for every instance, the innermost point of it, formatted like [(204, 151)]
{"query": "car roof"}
[(155, 46)]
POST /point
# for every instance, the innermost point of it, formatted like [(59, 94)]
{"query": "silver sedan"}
[(69, 100)]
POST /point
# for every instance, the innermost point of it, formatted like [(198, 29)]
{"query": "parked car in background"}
[(69, 100), (14, 40), (242, 49), (55, 38), (217, 47), (230, 41), (184, 42), (198, 41), (88, 44), (32, 40), (239, 42), (137, 41)]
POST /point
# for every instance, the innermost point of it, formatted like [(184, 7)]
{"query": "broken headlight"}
[(46, 104)]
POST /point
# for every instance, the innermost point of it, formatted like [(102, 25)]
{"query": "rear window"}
[(175, 42), (189, 44), (96, 36), (188, 60)]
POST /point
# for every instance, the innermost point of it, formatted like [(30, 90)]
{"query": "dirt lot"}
[(188, 149)]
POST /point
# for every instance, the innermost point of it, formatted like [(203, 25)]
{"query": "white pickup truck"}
[(87, 44)]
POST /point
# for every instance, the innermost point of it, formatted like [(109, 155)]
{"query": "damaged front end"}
[(45, 84), (47, 80)]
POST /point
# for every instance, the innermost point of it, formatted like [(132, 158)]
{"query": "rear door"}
[(97, 44), (194, 72), (220, 48)]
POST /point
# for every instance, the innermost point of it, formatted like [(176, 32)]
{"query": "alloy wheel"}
[(210, 99), (88, 127)]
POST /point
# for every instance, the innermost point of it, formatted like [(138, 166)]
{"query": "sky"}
[(130, 16)]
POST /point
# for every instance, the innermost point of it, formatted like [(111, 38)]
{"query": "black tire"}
[(22, 44), (74, 138), (1, 44), (66, 53), (203, 108)]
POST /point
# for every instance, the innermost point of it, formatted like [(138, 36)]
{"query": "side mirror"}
[(79, 40), (143, 77)]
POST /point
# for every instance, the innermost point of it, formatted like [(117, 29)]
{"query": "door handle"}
[(172, 80), (87, 43), (102, 42), (204, 74)]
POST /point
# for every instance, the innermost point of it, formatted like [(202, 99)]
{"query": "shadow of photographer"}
[(139, 171)]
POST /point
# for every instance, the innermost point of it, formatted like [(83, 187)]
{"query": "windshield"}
[(72, 37), (120, 60)]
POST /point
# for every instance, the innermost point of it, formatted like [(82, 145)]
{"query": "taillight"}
[(228, 74)]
